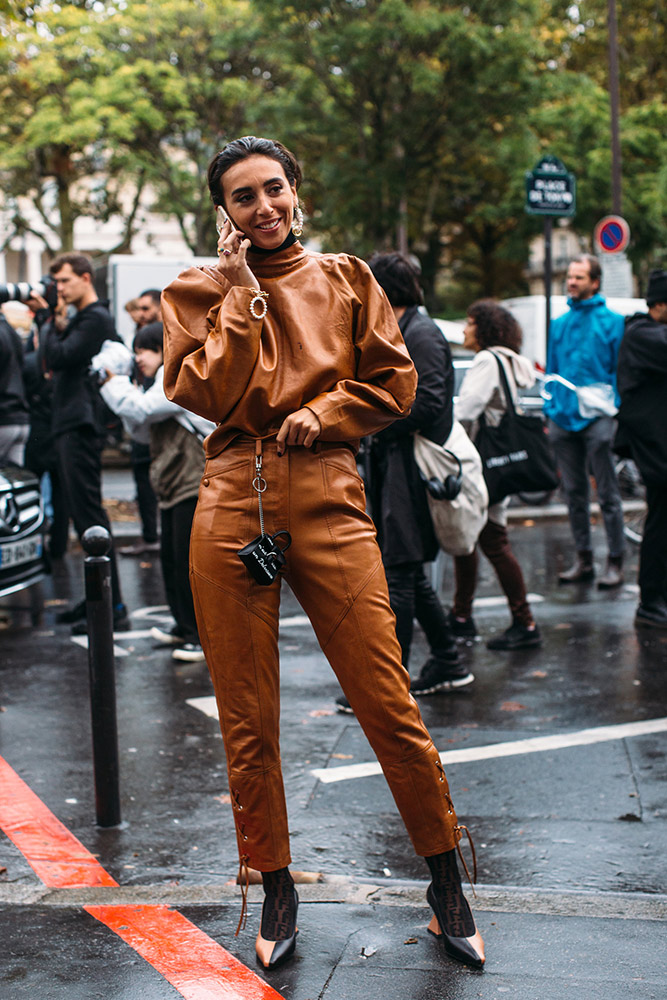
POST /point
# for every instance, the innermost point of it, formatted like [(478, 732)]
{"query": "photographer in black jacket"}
[(77, 408)]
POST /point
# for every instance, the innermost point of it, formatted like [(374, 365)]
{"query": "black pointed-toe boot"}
[(453, 923), (276, 939)]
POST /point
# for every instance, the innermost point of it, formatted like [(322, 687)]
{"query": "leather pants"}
[(335, 571)]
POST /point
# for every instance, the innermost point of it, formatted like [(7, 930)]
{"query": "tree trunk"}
[(64, 176)]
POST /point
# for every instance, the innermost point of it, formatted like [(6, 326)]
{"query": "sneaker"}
[(120, 621), (465, 629), (435, 677), (139, 548), (190, 652), (517, 636), (167, 637), (343, 705)]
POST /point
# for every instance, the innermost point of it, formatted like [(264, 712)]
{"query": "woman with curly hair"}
[(493, 333)]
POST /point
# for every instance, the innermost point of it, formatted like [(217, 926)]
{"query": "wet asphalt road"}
[(571, 840)]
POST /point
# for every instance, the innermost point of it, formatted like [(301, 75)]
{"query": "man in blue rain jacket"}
[(583, 348)]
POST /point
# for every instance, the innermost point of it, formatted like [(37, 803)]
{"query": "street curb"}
[(333, 889)]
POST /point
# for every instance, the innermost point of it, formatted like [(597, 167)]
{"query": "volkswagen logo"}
[(9, 515)]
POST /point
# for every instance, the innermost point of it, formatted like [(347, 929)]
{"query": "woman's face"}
[(260, 200), (148, 361), (470, 335)]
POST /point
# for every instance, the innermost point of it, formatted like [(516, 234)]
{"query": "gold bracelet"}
[(259, 298)]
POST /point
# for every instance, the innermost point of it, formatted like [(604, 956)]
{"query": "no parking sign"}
[(612, 234)]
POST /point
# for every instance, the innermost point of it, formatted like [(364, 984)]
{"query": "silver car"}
[(22, 529)]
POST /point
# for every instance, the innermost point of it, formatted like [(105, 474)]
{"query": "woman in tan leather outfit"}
[(296, 356)]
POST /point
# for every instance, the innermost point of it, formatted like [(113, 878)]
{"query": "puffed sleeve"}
[(385, 381), (211, 342)]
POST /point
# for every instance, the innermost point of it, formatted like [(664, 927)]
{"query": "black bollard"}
[(96, 542)]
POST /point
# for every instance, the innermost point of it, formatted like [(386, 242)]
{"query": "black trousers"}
[(79, 454), (412, 596), (653, 553), (175, 557), (146, 499)]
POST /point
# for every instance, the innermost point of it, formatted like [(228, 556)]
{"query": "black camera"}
[(22, 290)]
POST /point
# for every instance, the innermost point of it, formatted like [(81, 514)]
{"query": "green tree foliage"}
[(399, 109), (415, 119), (196, 58), (64, 126), (642, 43), (573, 118), (100, 99)]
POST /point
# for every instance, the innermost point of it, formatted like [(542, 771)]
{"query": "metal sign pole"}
[(550, 192), (548, 229)]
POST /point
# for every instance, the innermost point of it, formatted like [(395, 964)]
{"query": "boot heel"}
[(434, 927)]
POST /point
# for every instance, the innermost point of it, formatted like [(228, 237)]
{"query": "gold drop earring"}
[(297, 220)]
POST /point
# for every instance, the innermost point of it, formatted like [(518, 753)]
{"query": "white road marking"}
[(82, 640), (535, 744), (496, 602), (207, 705), (160, 614), (157, 612), (490, 751), (294, 621)]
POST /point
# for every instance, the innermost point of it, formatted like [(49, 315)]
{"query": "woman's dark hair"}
[(149, 338), (240, 149), (496, 326), (398, 277)]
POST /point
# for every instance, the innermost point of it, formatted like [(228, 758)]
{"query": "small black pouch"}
[(263, 556)]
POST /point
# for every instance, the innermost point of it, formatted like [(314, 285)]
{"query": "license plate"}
[(14, 553)]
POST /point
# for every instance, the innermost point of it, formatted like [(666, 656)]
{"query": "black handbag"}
[(517, 456)]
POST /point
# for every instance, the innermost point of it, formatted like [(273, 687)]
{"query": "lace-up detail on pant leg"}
[(243, 879), (460, 830)]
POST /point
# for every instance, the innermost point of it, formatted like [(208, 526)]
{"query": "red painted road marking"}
[(198, 967), (187, 958), (58, 858)]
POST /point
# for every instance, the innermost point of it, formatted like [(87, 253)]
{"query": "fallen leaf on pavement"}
[(512, 706)]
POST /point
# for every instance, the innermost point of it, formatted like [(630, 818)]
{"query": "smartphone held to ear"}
[(220, 218)]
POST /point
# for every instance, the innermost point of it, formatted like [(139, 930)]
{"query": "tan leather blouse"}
[(329, 341)]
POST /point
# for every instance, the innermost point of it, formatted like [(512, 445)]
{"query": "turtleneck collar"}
[(281, 261), (289, 241)]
